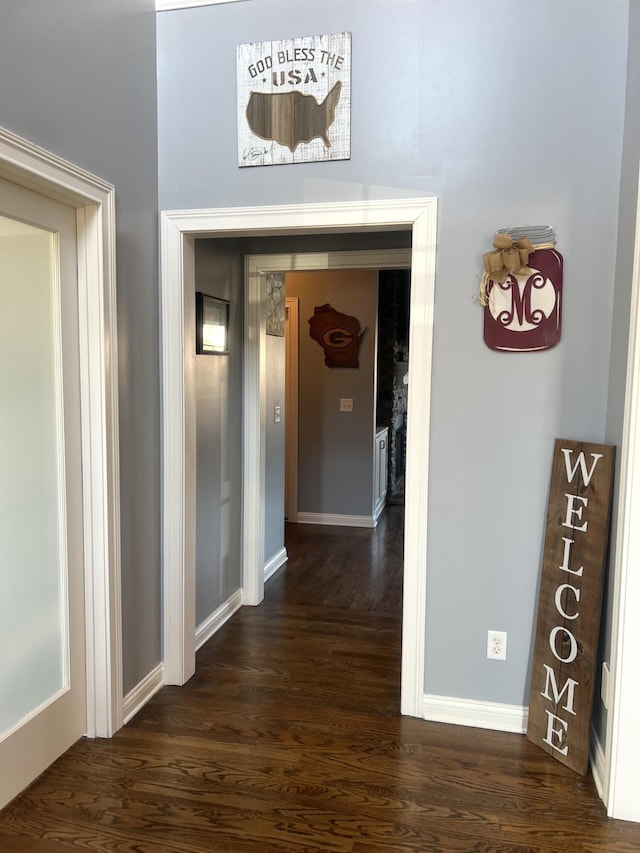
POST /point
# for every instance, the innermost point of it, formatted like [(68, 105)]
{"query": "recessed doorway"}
[(179, 231)]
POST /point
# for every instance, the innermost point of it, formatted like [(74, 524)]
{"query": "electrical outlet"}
[(497, 645), (346, 404)]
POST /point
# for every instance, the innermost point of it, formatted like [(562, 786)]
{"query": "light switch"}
[(276, 414), (346, 404)]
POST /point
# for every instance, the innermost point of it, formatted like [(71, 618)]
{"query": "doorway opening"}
[(353, 403), (392, 368), (335, 561), (336, 449), (179, 232)]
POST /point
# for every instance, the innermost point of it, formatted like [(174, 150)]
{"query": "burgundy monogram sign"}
[(523, 313)]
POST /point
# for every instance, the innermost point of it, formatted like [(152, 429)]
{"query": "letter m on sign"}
[(575, 548)]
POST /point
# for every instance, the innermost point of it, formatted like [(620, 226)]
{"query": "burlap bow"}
[(508, 258)]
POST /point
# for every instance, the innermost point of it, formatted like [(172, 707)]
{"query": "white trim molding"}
[(336, 520), (623, 734), (94, 200), (178, 457), (480, 715), (277, 561), (179, 230), (169, 5), (137, 698), (291, 384), (213, 623)]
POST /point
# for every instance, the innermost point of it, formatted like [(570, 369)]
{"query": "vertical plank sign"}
[(575, 547), (294, 100)]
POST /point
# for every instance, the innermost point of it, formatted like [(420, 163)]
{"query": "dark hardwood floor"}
[(289, 738)]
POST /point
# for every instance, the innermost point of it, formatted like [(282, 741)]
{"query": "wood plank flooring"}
[(289, 738)]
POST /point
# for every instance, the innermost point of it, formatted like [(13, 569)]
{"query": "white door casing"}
[(93, 199), (178, 231), (42, 624), (622, 748), (291, 408)]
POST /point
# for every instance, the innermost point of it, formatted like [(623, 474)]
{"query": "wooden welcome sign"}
[(575, 548)]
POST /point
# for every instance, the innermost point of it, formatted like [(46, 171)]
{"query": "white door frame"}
[(291, 408), (36, 169), (622, 749), (178, 232)]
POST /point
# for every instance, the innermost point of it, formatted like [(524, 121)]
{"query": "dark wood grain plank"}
[(289, 738)]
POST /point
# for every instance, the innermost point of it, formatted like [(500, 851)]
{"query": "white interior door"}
[(42, 642)]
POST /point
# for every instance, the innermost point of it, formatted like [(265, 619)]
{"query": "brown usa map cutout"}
[(294, 100), (291, 118)]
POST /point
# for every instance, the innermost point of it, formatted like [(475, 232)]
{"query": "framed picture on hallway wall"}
[(294, 100), (275, 304), (212, 325)]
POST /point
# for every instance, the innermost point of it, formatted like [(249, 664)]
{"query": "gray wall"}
[(509, 117), (274, 448), (78, 78), (218, 272), (620, 329), (335, 449)]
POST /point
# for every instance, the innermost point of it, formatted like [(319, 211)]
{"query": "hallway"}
[(288, 738)]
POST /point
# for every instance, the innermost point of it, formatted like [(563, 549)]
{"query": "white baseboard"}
[(142, 692), (336, 520), (213, 623), (378, 510), (274, 563), (598, 765), (481, 715)]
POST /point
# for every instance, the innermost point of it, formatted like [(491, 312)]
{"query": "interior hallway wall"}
[(219, 272), (499, 122)]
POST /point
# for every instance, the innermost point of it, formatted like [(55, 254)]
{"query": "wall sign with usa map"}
[(294, 100)]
